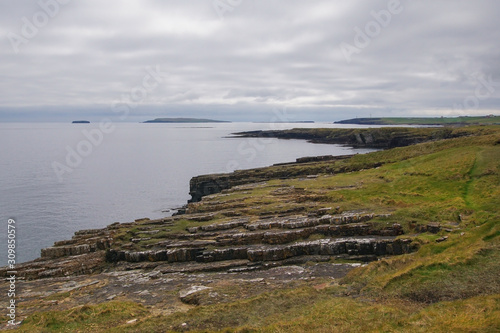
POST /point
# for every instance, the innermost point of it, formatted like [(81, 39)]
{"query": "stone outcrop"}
[(88, 263), (360, 137), (190, 295), (204, 185), (239, 242), (83, 254), (72, 250), (355, 246), (84, 241), (330, 247), (277, 238)]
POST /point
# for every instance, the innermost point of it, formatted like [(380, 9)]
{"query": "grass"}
[(463, 266), (344, 315), (299, 310), (86, 318), (425, 121)]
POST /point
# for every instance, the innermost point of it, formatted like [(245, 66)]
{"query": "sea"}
[(58, 178)]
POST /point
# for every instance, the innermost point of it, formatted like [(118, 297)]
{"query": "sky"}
[(247, 60)]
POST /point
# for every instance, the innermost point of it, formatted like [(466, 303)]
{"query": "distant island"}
[(286, 122), (80, 122), (465, 120), (185, 120)]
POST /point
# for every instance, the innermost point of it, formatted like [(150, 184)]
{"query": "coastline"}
[(311, 223)]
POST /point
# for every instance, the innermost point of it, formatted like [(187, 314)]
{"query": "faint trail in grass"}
[(469, 183)]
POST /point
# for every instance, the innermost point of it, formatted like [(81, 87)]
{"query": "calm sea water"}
[(137, 170)]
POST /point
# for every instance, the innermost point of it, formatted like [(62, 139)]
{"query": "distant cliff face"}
[(386, 137), (383, 138), (201, 186), (204, 185)]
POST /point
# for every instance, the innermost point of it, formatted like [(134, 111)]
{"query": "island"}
[(184, 120), (286, 122), (80, 122), (403, 239), (464, 120)]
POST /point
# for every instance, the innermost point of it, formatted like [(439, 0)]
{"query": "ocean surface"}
[(58, 178)]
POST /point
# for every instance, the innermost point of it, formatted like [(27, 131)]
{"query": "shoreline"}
[(204, 185), (329, 226)]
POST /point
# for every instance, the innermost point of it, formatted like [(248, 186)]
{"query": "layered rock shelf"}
[(201, 186), (327, 247), (239, 242), (222, 233)]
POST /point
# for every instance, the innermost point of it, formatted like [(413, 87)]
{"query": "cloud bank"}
[(240, 59)]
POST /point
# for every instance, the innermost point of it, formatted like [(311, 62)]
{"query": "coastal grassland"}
[(447, 181), (424, 121), (295, 310), (448, 286), (381, 137), (466, 265), (86, 318)]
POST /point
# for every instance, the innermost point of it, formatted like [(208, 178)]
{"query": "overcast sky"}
[(242, 59)]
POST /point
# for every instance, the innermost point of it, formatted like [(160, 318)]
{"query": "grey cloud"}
[(263, 55)]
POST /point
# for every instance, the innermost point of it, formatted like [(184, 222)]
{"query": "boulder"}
[(191, 295)]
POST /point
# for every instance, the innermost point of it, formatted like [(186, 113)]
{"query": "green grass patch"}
[(87, 318), (425, 121)]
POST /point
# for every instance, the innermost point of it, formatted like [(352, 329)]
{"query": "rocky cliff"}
[(386, 137), (204, 185), (241, 242)]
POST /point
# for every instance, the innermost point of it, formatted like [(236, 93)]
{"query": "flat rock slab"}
[(167, 292), (190, 295), (191, 290)]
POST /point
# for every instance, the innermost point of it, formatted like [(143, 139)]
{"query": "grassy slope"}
[(448, 286), (423, 121)]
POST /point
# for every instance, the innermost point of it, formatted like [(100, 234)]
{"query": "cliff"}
[(386, 137), (204, 185)]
